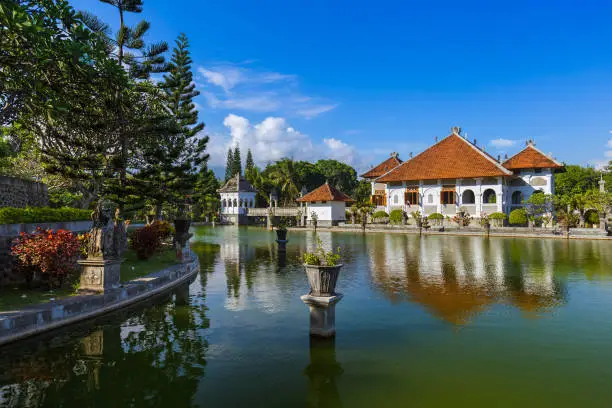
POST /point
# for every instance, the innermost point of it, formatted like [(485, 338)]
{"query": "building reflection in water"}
[(322, 373), (455, 278)]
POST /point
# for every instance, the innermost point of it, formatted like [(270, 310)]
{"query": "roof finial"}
[(436, 139), (456, 130), (411, 155), (393, 154), (530, 142)]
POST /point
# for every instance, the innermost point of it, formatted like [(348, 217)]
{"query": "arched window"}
[(224, 203), (468, 197), (489, 197), (235, 203), (430, 199), (517, 198)]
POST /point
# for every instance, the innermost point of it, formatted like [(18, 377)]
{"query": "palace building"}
[(455, 173)]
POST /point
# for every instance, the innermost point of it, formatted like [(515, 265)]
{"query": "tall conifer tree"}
[(237, 168), (229, 165), (250, 164), (174, 161)]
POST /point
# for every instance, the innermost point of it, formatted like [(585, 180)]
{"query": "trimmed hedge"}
[(518, 217), (435, 216), (380, 214), (498, 218), (28, 215), (396, 217)]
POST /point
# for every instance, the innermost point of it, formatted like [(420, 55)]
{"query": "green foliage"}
[(380, 214), (250, 163), (518, 217), (498, 218), (435, 216), (322, 257), (592, 217), (229, 164), (10, 215), (362, 192), (283, 176), (575, 179), (237, 162), (338, 174), (396, 216)]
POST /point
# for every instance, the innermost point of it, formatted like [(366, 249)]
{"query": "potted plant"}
[(322, 269), (281, 230)]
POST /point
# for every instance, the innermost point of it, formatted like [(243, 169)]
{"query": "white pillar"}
[(478, 191)]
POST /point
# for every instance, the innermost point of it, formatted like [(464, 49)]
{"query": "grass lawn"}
[(15, 298), (134, 268)]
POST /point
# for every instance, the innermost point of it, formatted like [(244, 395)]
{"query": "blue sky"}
[(357, 80)]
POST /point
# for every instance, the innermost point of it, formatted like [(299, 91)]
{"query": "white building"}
[(455, 173), (328, 203), (237, 195)]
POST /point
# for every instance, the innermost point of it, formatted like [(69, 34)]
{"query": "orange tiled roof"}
[(389, 164), (325, 193), (452, 157), (531, 158)]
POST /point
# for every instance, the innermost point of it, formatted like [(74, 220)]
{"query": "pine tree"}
[(237, 167), (250, 164), (175, 160), (229, 165)]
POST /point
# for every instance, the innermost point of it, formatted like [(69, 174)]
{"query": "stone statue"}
[(108, 235)]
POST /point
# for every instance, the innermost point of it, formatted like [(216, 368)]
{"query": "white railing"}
[(276, 211)]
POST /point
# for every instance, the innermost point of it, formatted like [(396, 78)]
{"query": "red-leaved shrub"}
[(163, 229), (53, 254), (145, 241)]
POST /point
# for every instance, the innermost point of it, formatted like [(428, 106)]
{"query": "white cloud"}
[(502, 143), (313, 111), (273, 139), (609, 144), (237, 87)]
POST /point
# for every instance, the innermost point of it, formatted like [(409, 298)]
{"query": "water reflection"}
[(153, 358), (322, 373), (456, 282)]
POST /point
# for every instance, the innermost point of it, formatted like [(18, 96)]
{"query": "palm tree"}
[(284, 176)]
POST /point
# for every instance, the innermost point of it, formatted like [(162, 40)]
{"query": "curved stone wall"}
[(19, 193)]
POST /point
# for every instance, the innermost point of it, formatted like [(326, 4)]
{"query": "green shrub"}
[(518, 217), (396, 217), (592, 218), (435, 217), (380, 214), (497, 218), (10, 215)]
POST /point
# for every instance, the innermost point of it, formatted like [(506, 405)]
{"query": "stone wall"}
[(22, 193)]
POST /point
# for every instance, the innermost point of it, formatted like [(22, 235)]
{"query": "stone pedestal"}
[(322, 314), (183, 253), (100, 274), (282, 245)]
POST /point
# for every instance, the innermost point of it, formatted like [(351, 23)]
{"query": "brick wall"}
[(22, 193)]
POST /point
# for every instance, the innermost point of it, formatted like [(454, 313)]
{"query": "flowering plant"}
[(51, 253)]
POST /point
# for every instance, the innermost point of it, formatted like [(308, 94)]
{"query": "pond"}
[(425, 321)]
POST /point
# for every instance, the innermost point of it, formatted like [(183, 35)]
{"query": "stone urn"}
[(181, 238), (322, 279), (281, 234)]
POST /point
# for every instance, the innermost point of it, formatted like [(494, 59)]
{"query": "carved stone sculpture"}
[(108, 237)]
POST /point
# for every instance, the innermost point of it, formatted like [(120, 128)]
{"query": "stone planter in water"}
[(281, 235), (322, 279)]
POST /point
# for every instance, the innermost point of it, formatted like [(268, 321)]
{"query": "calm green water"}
[(425, 322)]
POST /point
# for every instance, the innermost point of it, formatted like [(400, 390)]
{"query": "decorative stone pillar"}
[(322, 314), (107, 242), (322, 372)]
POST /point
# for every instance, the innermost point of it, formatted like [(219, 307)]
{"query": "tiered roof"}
[(389, 164), (325, 193), (531, 158), (237, 184), (452, 157)]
